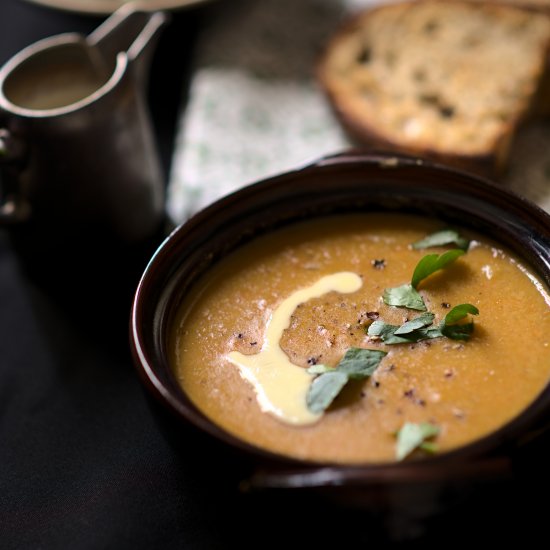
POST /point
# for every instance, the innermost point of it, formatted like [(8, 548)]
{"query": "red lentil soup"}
[(465, 388)]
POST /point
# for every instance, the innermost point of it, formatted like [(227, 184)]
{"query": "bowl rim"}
[(480, 450)]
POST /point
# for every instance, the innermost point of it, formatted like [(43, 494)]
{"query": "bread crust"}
[(532, 5), (350, 107)]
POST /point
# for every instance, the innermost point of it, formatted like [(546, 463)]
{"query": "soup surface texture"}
[(465, 388)]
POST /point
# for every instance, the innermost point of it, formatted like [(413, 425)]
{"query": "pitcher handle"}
[(132, 32), (13, 207)]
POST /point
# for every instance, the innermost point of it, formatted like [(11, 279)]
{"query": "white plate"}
[(104, 7)]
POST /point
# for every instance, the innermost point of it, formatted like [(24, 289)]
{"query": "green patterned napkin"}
[(255, 109)]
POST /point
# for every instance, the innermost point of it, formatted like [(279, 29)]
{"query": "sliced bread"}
[(445, 80)]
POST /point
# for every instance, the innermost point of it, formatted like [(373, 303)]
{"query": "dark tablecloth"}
[(84, 462)]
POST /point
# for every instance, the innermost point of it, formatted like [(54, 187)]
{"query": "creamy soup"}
[(53, 83), (282, 298)]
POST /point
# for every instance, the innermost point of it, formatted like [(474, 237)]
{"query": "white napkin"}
[(255, 109)]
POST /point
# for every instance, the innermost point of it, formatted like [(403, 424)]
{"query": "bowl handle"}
[(497, 467)]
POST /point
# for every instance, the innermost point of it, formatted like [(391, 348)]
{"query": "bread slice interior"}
[(445, 79)]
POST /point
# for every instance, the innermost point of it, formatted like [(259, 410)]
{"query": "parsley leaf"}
[(404, 296), (319, 369), (419, 328), (433, 262), (324, 389), (424, 320), (408, 333), (385, 332), (459, 332), (357, 364), (413, 436), (360, 363), (462, 331), (442, 238), (407, 295), (460, 312)]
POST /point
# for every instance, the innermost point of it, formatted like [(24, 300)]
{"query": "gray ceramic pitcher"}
[(76, 143)]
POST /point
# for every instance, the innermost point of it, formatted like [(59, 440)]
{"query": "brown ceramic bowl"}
[(343, 183)]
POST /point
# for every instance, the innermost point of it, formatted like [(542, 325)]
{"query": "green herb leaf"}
[(424, 320), (429, 447), (357, 364), (407, 295), (404, 296), (462, 331), (458, 332), (324, 389), (319, 369), (388, 335), (460, 312), (385, 332), (413, 436), (408, 333), (419, 328), (433, 262), (442, 238)]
